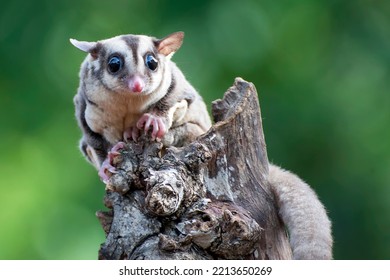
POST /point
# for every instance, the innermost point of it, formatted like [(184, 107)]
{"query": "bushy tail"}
[(304, 215)]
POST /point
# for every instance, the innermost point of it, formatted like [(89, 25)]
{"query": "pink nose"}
[(136, 84)]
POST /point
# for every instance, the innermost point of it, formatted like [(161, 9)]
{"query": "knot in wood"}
[(165, 192)]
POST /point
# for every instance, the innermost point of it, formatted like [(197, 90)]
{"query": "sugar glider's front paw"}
[(156, 123), (107, 168), (131, 133)]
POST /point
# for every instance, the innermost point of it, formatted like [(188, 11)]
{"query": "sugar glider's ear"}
[(89, 47), (170, 44)]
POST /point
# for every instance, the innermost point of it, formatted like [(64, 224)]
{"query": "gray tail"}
[(304, 215)]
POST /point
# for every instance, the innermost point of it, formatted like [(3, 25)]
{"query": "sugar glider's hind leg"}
[(95, 157), (107, 168)]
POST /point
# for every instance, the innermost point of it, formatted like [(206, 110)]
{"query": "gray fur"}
[(304, 215), (90, 138)]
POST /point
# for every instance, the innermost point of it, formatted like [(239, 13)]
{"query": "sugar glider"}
[(128, 84)]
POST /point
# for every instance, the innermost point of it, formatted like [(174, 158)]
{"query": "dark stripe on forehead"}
[(132, 42)]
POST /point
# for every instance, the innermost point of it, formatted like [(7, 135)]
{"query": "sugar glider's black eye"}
[(151, 62), (115, 64)]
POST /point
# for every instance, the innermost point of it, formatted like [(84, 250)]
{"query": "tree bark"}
[(207, 200)]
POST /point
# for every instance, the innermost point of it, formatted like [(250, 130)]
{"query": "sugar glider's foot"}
[(154, 122), (107, 168), (132, 133)]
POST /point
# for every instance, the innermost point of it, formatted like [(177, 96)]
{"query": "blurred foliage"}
[(322, 69)]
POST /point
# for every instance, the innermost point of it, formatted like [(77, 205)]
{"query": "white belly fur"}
[(116, 113)]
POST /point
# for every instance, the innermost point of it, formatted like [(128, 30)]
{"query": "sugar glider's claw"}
[(132, 133), (156, 123), (107, 168), (160, 132), (118, 146)]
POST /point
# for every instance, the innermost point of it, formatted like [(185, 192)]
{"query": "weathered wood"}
[(240, 169), (207, 200)]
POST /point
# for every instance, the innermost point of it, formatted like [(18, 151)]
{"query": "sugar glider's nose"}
[(136, 84)]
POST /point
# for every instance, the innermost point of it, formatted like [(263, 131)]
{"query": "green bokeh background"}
[(322, 70)]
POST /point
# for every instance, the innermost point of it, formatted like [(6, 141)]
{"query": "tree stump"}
[(207, 200)]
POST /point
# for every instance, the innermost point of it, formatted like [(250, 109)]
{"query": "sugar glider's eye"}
[(151, 62), (115, 64)]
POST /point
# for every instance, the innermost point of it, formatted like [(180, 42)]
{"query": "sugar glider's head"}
[(130, 64)]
